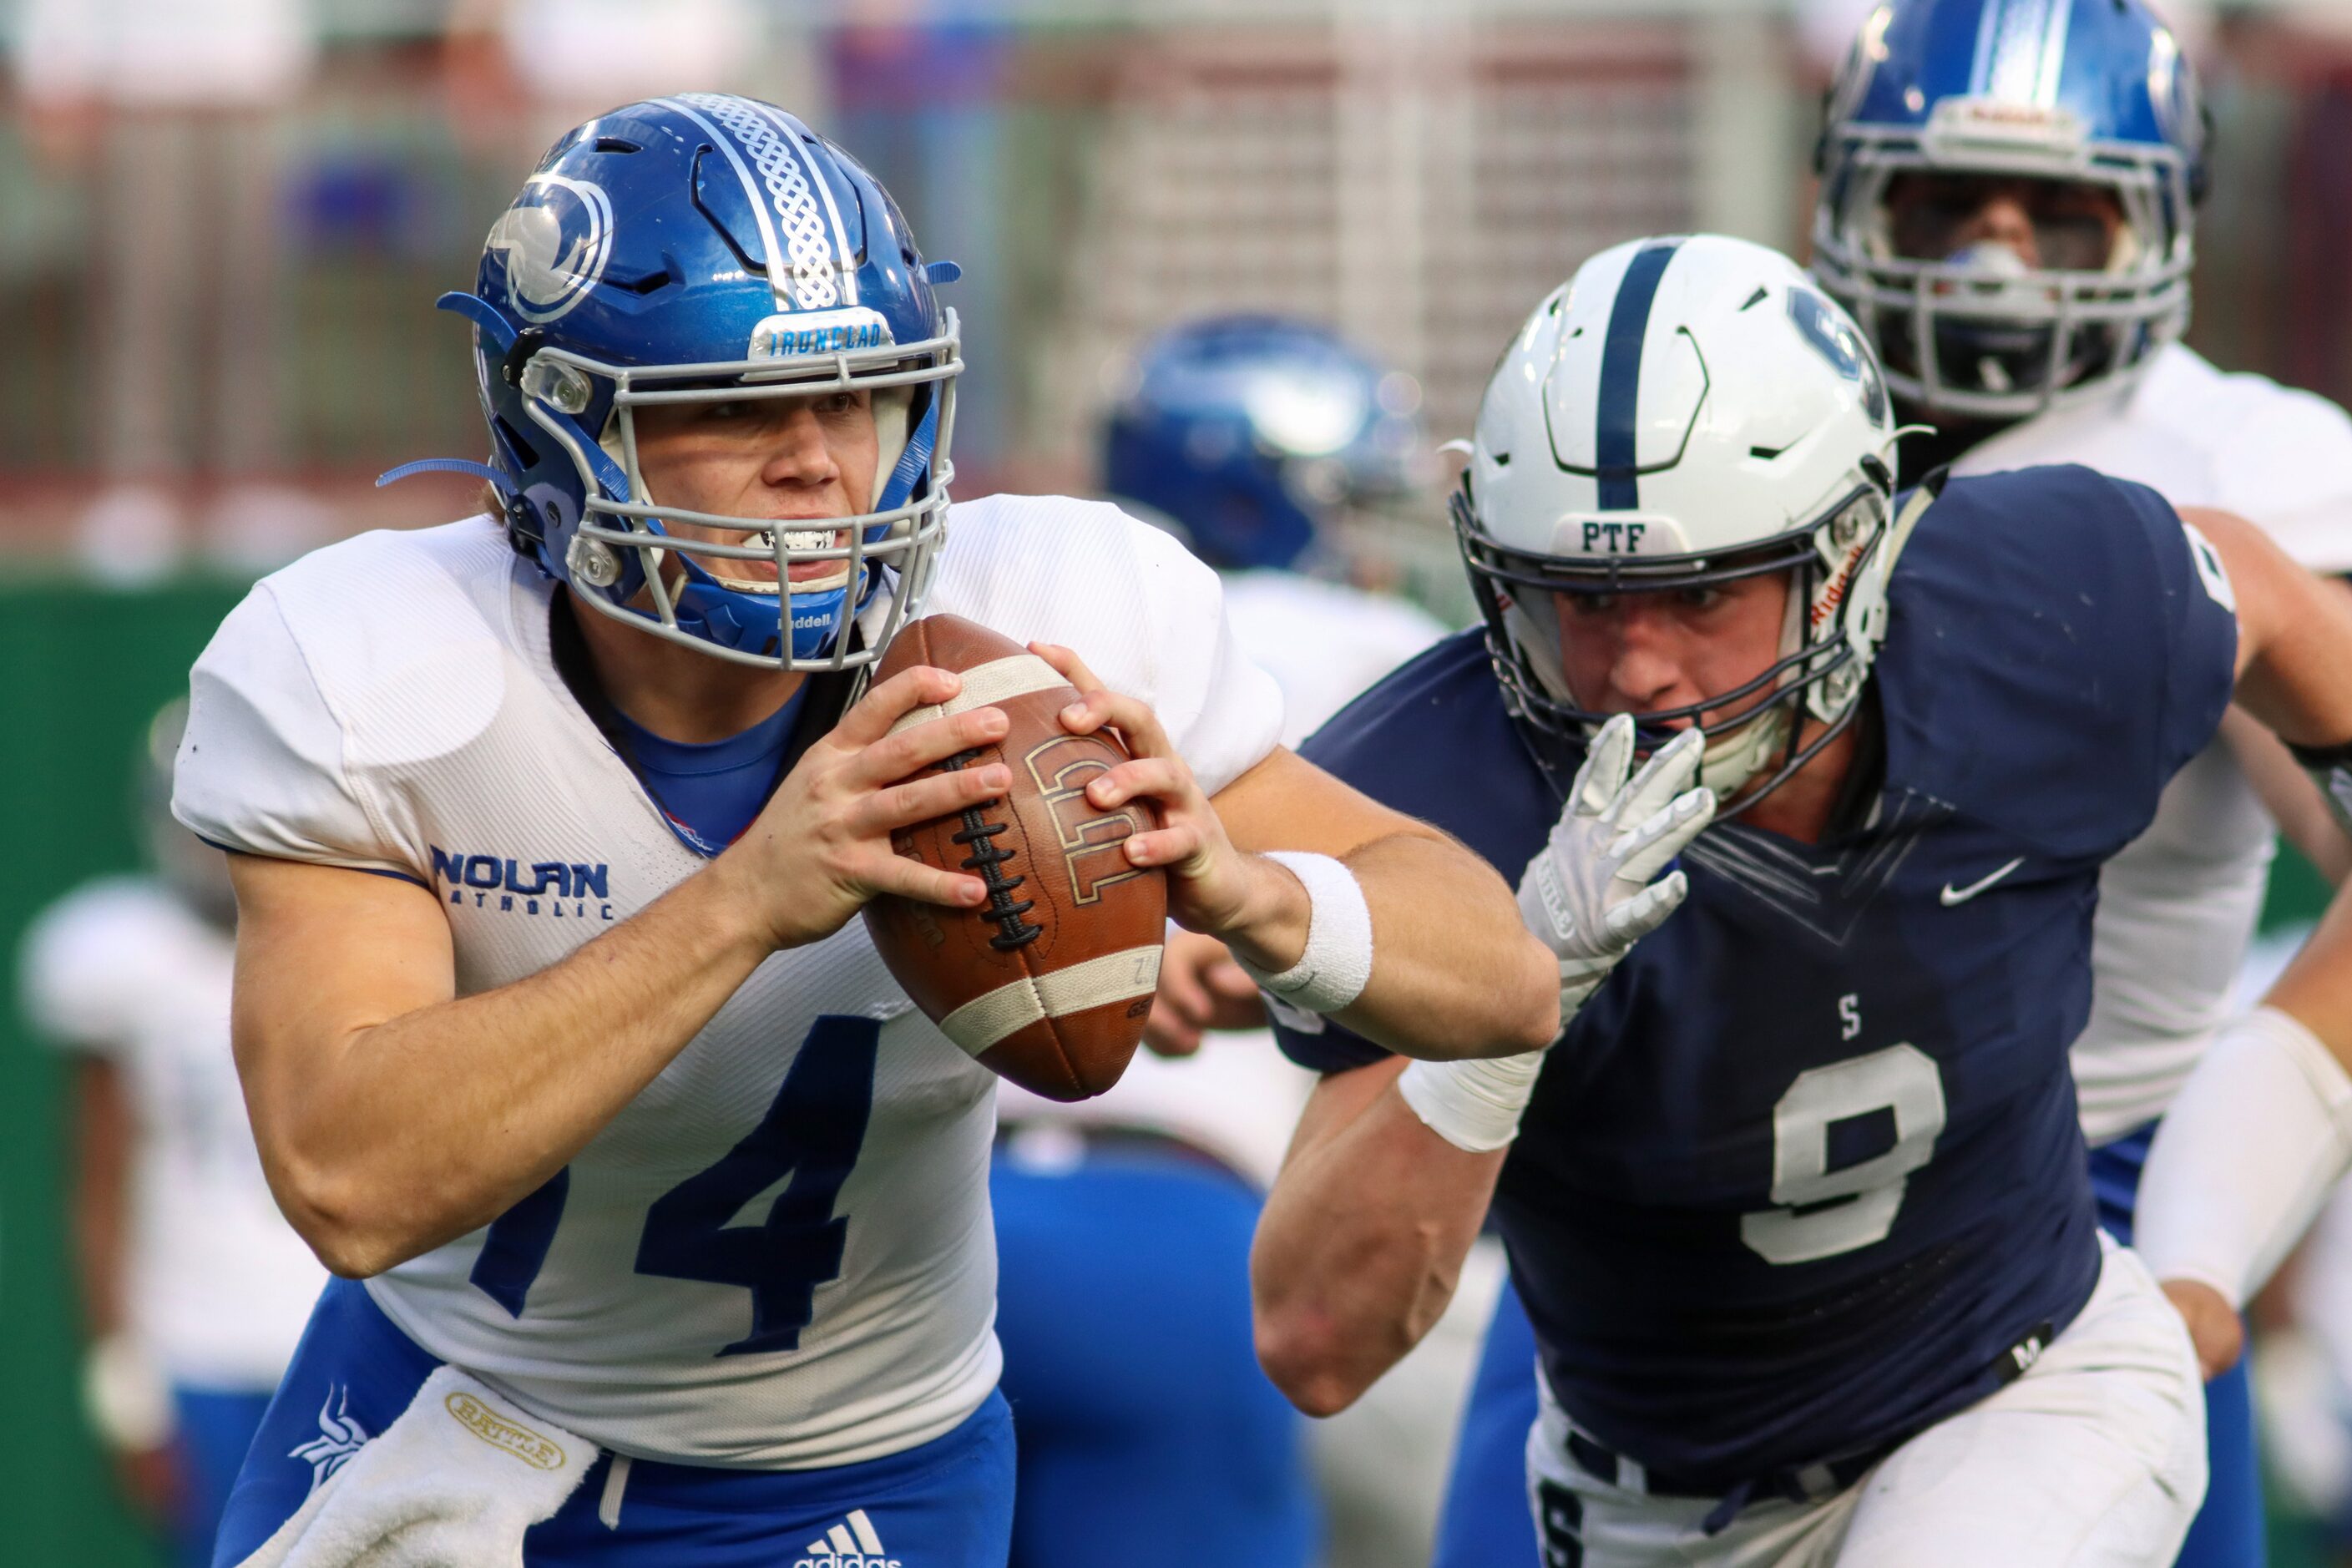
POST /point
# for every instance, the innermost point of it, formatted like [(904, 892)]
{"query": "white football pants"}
[(2095, 1457)]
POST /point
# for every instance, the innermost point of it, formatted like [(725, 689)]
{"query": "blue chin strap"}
[(748, 623), (496, 477)]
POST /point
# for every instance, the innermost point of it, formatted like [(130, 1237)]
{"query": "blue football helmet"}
[(1249, 434), (707, 249), (2066, 93)]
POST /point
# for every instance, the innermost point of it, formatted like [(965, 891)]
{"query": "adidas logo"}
[(851, 1543)]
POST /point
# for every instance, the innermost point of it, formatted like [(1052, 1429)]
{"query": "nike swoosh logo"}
[(1962, 895)]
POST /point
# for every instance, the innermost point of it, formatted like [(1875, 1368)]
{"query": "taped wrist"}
[(2245, 1157), (2330, 768), (1338, 962), (1473, 1105)]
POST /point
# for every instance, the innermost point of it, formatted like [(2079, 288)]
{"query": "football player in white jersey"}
[(2007, 196), (1125, 1220), (192, 1286), (548, 829)]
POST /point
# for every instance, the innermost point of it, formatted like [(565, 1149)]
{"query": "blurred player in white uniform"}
[(1123, 1222), (2028, 298), (548, 831), (194, 1289)]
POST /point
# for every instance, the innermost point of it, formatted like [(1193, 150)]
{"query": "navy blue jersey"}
[(1807, 1164)]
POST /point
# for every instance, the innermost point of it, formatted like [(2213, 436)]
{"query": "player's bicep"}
[(2294, 630), (324, 954)]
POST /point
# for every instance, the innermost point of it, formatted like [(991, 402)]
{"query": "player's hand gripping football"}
[(1594, 890), (1209, 886), (821, 848)]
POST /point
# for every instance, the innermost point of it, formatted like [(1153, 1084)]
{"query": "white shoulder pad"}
[(78, 954), (1145, 616), (2280, 457), (383, 651)]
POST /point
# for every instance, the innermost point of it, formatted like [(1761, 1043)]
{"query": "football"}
[(1048, 984)]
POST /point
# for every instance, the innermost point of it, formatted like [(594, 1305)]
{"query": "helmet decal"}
[(2020, 50), (1828, 332), (790, 206), (557, 238), (1617, 463)]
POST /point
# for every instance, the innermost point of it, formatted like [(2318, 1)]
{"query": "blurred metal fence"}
[(1416, 175)]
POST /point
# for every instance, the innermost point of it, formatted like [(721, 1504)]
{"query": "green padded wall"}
[(82, 670)]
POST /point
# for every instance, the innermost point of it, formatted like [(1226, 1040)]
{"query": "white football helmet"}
[(1684, 411)]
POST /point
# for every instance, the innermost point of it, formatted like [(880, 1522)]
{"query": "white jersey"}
[(218, 1286), (389, 704), (1322, 643), (2177, 908), (1238, 1097)]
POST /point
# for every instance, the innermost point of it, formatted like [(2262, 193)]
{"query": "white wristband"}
[(1473, 1105), (2245, 1157), (1338, 962)]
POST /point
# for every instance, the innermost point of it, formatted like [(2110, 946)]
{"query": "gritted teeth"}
[(795, 537)]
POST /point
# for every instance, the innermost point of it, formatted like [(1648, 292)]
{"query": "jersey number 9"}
[(1833, 1211)]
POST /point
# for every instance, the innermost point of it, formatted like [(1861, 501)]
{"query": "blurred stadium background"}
[(217, 270)]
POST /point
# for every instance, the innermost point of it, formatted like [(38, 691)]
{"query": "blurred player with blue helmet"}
[(2007, 207), (660, 1208), (1125, 1220), (1290, 461)]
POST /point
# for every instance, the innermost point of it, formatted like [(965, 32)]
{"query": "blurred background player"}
[(2007, 209), (1148, 1434), (1282, 455), (194, 1290)]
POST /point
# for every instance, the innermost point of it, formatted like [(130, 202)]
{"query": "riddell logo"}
[(851, 1543), (1826, 603)]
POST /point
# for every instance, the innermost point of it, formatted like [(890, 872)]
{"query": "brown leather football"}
[(1049, 982)]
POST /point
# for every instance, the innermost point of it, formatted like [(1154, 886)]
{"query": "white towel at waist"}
[(453, 1483)]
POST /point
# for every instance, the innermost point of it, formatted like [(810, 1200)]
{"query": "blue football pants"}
[(1148, 1437), (945, 1504)]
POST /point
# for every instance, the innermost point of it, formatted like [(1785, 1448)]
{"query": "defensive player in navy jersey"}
[(2028, 297), (1799, 1210)]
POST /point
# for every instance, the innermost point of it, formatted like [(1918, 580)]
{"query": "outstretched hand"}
[(1594, 889)]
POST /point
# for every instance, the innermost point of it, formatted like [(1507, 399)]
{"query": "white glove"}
[(1590, 897), (1589, 894)]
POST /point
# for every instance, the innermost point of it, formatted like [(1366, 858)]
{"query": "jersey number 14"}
[(811, 1134), (1833, 1211)]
